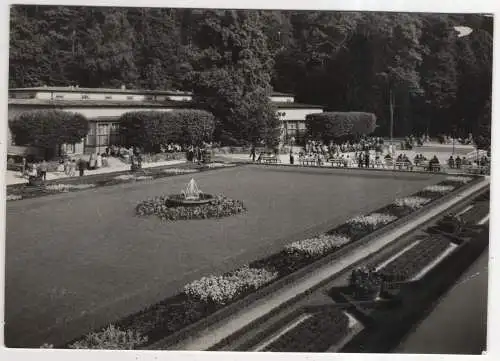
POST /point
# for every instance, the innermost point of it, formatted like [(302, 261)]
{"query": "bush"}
[(337, 125), (111, 338), (152, 129), (48, 129)]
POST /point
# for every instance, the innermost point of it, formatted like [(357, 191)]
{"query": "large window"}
[(108, 134)]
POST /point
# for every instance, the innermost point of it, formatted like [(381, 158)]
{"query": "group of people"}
[(334, 149), (411, 141), (35, 170), (199, 154), (171, 148), (447, 139)]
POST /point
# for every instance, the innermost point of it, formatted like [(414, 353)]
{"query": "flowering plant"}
[(412, 202), (223, 289), (111, 338), (373, 220), (220, 165), (218, 207), (459, 179), (178, 171), (14, 197), (438, 189), (127, 177), (67, 187), (317, 246)]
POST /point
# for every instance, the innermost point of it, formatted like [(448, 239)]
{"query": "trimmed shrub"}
[(48, 129), (152, 129), (340, 125)]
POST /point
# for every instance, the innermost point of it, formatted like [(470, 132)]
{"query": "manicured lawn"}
[(80, 260)]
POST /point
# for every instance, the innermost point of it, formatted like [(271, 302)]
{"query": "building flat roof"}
[(101, 103), (98, 90), (135, 104), (113, 90), (294, 105)]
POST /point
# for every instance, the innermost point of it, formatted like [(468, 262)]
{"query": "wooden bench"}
[(270, 160), (336, 162), (311, 162), (403, 165)]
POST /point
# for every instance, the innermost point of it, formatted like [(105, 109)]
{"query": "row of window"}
[(107, 97), (291, 125)]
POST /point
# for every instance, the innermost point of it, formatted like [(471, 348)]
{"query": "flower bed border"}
[(357, 308), (109, 179), (237, 304)]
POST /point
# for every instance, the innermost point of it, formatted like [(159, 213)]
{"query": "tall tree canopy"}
[(409, 67)]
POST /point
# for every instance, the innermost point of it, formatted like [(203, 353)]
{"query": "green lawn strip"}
[(177, 312), (388, 325)]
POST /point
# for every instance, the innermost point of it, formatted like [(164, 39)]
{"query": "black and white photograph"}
[(251, 180)]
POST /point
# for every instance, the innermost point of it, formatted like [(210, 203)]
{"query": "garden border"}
[(348, 305), (89, 179), (238, 305)]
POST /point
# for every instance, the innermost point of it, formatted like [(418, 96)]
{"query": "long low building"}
[(103, 108)]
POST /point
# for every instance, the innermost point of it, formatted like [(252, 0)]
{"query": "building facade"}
[(103, 108)]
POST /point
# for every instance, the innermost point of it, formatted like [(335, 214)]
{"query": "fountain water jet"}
[(189, 196), (192, 192)]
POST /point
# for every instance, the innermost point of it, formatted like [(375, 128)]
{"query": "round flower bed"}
[(217, 207)]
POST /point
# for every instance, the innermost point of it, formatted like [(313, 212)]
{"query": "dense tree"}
[(482, 131), (231, 75), (340, 126), (48, 129), (412, 68)]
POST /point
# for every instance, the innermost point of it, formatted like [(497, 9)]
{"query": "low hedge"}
[(316, 334)]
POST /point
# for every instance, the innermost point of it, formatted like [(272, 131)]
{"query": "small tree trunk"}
[(391, 110)]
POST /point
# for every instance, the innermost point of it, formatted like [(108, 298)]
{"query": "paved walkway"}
[(115, 165), (213, 335), (442, 151)]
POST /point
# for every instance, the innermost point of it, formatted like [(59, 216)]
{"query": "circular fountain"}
[(190, 196)]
